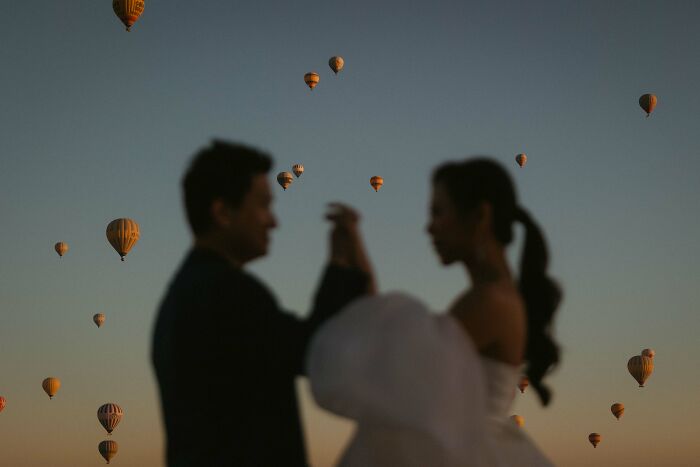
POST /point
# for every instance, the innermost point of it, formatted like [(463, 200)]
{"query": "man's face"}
[(249, 224)]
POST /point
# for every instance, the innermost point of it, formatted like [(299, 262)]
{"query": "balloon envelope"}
[(640, 368), (617, 410), (61, 248), (123, 234), (595, 439), (108, 449), (336, 63), (3, 402), (284, 179), (311, 79), (298, 169), (99, 319), (376, 182), (648, 353), (51, 386), (109, 416), (521, 159), (128, 11), (647, 102)]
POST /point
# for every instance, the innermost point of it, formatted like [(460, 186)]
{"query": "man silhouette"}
[(224, 352)]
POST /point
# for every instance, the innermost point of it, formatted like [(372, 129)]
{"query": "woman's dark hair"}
[(477, 180), (222, 170)]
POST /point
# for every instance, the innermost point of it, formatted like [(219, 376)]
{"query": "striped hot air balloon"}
[(109, 416), (521, 159), (284, 179), (123, 234), (519, 420), (595, 439), (311, 79), (376, 182), (61, 248), (336, 63), (640, 368), (128, 11), (3, 402), (617, 410), (51, 386), (298, 169), (523, 383), (647, 102), (108, 449), (99, 319)]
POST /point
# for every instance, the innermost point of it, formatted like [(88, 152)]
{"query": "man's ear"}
[(221, 213)]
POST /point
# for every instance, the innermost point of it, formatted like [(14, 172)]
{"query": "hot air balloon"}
[(3, 402), (523, 383), (336, 63), (51, 386), (61, 248), (128, 11), (99, 319), (648, 353), (594, 439), (519, 420), (109, 416), (521, 159), (123, 235), (640, 368), (617, 410), (284, 179), (376, 182), (647, 102), (108, 449), (311, 79), (298, 169)]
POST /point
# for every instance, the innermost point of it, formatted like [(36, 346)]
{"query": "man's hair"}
[(222, 170)]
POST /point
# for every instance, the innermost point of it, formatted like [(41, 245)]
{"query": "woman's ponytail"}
[(542, 296)]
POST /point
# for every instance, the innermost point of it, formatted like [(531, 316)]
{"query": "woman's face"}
[(451, 232)]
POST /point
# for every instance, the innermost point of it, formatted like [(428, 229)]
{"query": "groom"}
[(225, 353)]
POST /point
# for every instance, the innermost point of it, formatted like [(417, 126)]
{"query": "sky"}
[(97, 123)]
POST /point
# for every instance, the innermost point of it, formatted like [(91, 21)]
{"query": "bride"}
[(432, 390)]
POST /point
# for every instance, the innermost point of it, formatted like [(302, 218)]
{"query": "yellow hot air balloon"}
[(311, 79), (109, 416), (595, 439), (99, 319), (648, 353), (519, 420), (298, 169), (61, 248), (640, 368), (123, 235), (376, 182), (284, 179), (521, 159), (128, 11), (51, 386), (617, 410), (336, 63), (3, 402), (523, 383), (647, 102), (108, 449)]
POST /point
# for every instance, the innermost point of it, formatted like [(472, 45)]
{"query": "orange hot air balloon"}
[(3, 402), (521, 159), (284, 179), (640, 368), (648, 353), (61, 248), (298, 169), (523, 383), (376, 182), (99, 319), (336, 63), (51, 386), (519, 420), (617, 410), (123, 234), (595, 439), (648, 102), (128, 11), (311, 79)]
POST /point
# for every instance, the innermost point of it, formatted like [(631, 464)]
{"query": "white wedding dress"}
[(420, 393)]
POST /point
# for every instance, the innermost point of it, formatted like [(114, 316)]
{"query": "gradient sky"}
[(97, 124)]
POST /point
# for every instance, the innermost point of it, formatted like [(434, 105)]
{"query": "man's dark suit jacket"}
[(226, 356)]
